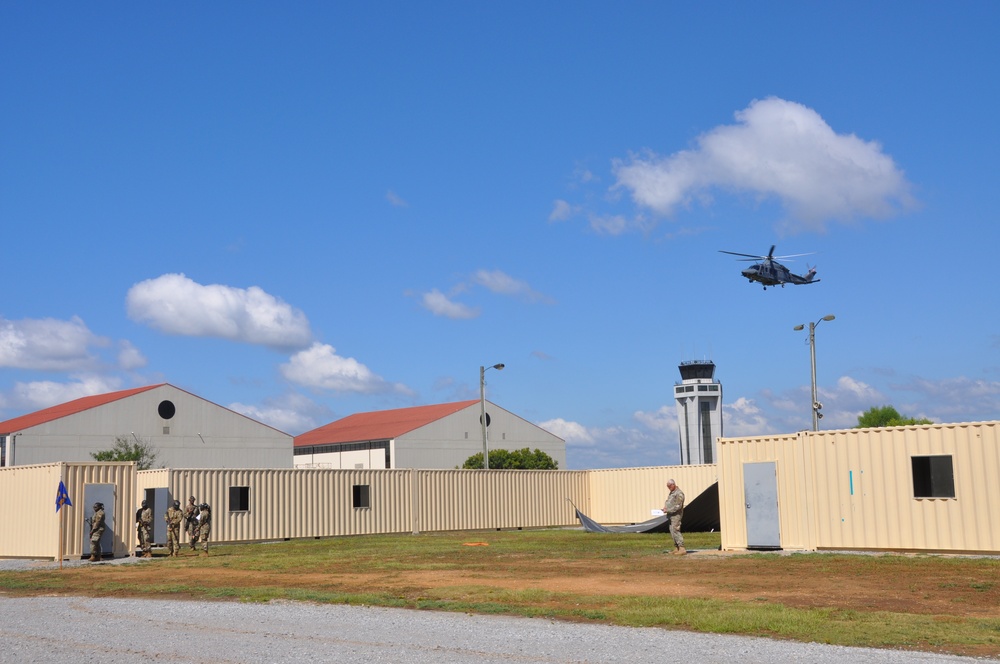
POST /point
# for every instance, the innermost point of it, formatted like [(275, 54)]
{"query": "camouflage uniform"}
[(146, 530), (674, 509), (204, 527), (173, 517), (191, 521), (96, 532)]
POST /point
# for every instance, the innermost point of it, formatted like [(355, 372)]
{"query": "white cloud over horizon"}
[(30, 396), (319, 367), (291, 413), (777, 149), (495, 281), (440, 304), (612, 447), (129, 357), (48, 344), (175, 304), (501, 283)]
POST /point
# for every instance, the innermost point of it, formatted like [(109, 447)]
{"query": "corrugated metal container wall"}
[(864, 492), (286, 503), (786, 451), (157, 478), (481, 500), (626, 495), (28, 496), (76, 476)]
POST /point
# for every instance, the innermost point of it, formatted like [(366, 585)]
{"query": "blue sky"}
[(310, 211)]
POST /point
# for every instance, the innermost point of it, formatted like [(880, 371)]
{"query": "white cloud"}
[(495, 281), (291, 413), (663, 420), (744, 418), (959, 399), (32, 396), (854, 392), (611, 224), (561, 211), (777, 149), (174, 304), (612, 447), (395, 200), (438, 304), (320, 367), (47, 344), (574, 433), (129, 357), (504, 284)]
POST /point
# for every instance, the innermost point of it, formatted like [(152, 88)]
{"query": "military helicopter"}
[(768, 271)]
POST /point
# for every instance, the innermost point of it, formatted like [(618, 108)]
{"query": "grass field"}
[(921, 602)]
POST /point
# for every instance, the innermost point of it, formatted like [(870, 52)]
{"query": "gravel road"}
[(65, 630), (58, 630)]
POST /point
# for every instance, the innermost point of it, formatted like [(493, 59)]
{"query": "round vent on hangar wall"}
[(166, 409)]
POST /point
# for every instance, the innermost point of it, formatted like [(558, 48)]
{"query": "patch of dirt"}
[(945, 588), (860, 582)]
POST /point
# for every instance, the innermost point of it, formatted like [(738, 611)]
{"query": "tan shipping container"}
[(32, 526), (865, 488)]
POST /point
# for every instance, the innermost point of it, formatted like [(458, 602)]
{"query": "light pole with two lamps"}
[(816, 405), (482, 411)]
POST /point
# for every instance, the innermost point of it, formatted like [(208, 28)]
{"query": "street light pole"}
[(816, 405), (482, 411)]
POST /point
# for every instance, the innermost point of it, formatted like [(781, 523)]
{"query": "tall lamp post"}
[(482, 411), (816, 405)]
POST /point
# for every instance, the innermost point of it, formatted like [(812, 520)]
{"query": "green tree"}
[(886, 416), (523, 459), (124, 449)]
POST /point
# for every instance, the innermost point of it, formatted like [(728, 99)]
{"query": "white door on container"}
[(760, 490)]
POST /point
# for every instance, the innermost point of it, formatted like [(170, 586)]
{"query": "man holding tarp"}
[(673, 508)]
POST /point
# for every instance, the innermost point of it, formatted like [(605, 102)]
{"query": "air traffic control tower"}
[(699, 412)]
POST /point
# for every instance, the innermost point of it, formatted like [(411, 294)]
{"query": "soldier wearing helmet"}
[(191, 522), (204, 527), (97, 528), (144, 519), (173, 517)]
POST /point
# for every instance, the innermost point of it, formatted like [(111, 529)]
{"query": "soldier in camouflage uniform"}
[(146, 529), (674, 509), (191, 522), (173, 517), (96, 531), (204, 527)]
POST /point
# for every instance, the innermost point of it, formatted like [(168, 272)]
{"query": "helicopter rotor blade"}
[(749, 256)]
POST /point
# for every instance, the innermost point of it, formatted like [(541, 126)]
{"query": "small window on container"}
[(933, 477), (360, 498), (239, 499)]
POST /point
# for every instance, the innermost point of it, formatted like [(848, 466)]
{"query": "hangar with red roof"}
[(434, 436), (182, 429)]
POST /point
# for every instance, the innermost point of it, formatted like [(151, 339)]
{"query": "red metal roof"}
[(68, 408), (379, 425)]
